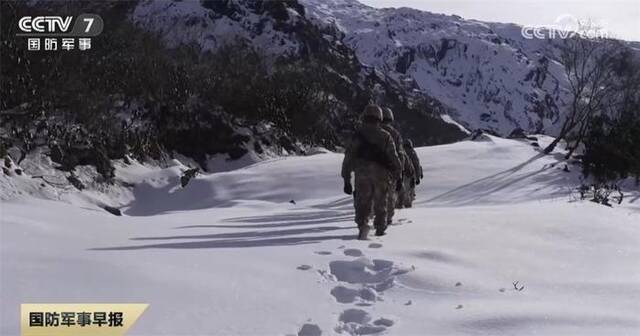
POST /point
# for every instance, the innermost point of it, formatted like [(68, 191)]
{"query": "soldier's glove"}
[(417, 181), (348, 189), (399, 185)]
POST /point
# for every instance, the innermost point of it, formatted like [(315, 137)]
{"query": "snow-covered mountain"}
[(283, 31), (487, 74), (483, 75), (477, 74)]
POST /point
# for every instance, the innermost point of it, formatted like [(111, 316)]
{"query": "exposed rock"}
[(517, 133), (16, 154), (481, 135), (112, 210), (187, 176), (73, 179)]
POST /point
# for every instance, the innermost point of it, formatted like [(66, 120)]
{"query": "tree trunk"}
[(581, 133), (552, 145), (563, 133)]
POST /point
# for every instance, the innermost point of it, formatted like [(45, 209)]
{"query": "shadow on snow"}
[(479, 190), (255, 238)]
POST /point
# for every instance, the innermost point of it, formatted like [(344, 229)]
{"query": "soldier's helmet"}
[(408, 143), (372, 111), (387, 114)]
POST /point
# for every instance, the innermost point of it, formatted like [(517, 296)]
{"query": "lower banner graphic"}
[(78, 319)]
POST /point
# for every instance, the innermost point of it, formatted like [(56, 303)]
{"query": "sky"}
[(620, 18)]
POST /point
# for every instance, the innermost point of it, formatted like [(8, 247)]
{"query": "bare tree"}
[(590, 72)]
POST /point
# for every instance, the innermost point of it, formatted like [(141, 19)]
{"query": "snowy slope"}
[(487, 74), (230, 255)]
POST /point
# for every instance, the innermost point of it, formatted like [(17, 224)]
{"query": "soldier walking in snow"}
[(408, 176), (373, 158), (409, 185), (393, 195)]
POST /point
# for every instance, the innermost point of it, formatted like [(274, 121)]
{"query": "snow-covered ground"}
[(231, 255)]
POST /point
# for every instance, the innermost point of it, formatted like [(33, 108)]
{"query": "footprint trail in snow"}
[(361, 282)]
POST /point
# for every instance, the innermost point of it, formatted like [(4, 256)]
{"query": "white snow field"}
[(231, 255)]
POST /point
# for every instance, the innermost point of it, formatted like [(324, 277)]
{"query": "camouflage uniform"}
[(409, 187), (408, 176), (393, 195), (373, 158)]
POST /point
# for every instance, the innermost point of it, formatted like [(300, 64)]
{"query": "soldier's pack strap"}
[(370, 152)]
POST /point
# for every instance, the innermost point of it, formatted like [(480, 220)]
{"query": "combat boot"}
[(363, 232), (380, 231)]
